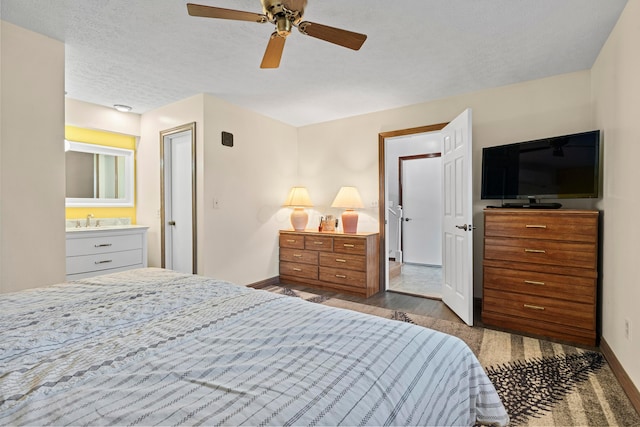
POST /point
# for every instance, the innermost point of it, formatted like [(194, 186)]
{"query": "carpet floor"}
[(541, 383)]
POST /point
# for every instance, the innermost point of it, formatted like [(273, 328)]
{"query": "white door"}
[(179, 201), (422, 206), (457, 232)]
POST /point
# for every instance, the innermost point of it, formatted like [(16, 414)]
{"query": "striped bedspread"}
[(155, 347)]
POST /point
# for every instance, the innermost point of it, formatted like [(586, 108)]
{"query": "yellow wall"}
[(109, 139)]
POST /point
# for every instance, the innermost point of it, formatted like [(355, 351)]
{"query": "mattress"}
[(156, 347)]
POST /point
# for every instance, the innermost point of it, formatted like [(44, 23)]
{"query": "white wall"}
[(238, 240), (345, 152), (32, 180), (616, 96)]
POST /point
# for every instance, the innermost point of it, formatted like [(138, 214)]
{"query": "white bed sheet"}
[(155, 347)]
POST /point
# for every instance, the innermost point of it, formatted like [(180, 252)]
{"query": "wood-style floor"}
[(391, 300)]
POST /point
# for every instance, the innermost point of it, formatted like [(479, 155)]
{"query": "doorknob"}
[(407, 219), (462, 227), (172, 223)]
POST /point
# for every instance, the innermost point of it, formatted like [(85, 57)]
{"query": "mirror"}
[(97, 175)]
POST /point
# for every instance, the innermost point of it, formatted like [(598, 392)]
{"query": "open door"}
[(457, 230)]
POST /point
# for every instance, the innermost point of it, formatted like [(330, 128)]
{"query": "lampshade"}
[(348, 198), (298, 199)]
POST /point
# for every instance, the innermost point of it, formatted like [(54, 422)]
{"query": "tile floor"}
[(418, 280)]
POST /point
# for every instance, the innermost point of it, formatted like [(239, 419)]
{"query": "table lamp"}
[(348, 198), (298, 199)]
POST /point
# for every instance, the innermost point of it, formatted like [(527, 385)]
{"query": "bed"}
[(156, 347)]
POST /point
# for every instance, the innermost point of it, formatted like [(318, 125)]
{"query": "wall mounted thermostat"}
[(227, 139)]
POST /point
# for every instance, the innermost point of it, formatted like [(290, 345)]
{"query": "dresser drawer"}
[(106, 261), (103, 244), (318, 243), (296, 255), (546, 226), (355, 279), (571, 288), (304, 271), (542, 309), (347, 245), (291, 241), (582, 255), (338, 260)]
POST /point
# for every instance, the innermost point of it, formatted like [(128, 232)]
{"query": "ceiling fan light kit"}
[(284, 14)]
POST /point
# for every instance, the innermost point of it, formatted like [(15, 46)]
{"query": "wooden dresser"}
[(345, 263), (540, 272)]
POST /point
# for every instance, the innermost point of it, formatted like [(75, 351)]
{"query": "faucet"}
[(88, 223)]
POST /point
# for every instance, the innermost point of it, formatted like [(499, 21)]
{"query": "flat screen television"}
[(561, 167)]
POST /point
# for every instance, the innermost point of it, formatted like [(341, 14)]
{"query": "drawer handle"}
[(297, 269), (341, 276), (102, 245), (531, 282), (291, 240), (533, 307), (349, 245), (340, 260), (318, 243), (536, 251), (297, 255), (535, 226), (103, 262)]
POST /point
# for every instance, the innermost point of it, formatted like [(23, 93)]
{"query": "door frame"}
[(164, 134), (382, 197)]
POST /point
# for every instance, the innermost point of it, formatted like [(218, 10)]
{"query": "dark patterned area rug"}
[(541, 383)]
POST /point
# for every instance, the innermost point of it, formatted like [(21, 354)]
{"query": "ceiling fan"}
[(284, 14)]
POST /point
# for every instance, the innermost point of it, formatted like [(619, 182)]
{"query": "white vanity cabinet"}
[(95, 251)]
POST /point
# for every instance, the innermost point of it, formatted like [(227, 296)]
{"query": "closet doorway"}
[(178, 198)]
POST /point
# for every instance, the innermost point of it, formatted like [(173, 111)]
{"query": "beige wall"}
[(616, 96), (31, 142), (148, 168), (345, 152), (97, 117), (238, 240), (251, 181)]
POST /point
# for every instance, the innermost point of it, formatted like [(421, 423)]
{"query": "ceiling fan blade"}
[(218, 12), (273, 54), (333, 35)]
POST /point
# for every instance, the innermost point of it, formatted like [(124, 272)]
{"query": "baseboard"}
[(264, 283), (627, 385)]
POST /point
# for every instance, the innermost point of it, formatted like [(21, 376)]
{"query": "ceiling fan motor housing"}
[(291, 9)]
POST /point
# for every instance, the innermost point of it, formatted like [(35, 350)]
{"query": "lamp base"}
[(299, 219), (350, 221)]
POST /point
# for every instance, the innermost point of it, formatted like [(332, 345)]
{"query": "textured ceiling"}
[(149, 53)]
